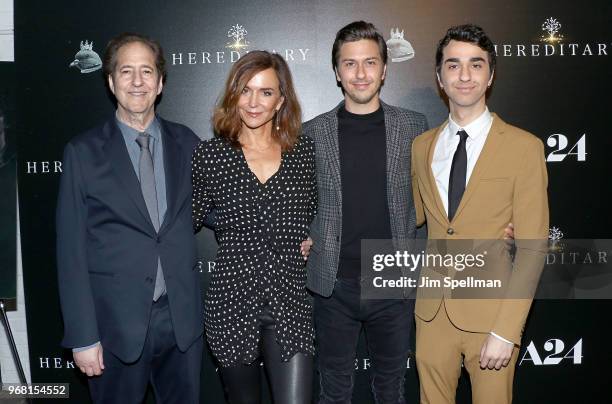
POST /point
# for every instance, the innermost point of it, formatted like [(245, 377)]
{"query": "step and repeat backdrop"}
[(553, 79)]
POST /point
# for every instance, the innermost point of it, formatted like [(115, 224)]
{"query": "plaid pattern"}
[(401, 126)]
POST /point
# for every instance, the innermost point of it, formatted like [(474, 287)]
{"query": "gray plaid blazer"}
[(402, 126)]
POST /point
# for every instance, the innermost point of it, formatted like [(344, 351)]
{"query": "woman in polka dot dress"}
[(258, 175)]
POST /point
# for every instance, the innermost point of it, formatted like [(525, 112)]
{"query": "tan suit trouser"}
[(439, 350)]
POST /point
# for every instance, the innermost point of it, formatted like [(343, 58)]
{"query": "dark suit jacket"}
[(107, 247), (401, 126)]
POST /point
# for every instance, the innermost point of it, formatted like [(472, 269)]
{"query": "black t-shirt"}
[(363, 170)]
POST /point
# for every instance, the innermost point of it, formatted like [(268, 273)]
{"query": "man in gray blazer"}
[(363, 173)]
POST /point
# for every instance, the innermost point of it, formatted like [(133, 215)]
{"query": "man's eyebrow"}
[(148, 66), (456, 60), (353, 59)]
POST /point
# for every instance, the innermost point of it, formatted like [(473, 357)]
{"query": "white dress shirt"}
[(447, 143), (446, 146)]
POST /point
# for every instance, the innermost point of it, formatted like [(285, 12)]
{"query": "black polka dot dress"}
[(259, 228)]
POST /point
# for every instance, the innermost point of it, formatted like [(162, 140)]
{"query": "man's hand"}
[(90, 361), (495, 353), (305, 248), (509, 232), (509, 237)]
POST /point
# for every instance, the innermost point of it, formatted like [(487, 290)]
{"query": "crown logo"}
[(399, 48), (86, 46), (396, 34), (238, 34), (86, 59), (551, 27)]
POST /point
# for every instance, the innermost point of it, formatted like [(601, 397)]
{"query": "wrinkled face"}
[(361, 72), (464, 74), (260, 100), (136, 83)]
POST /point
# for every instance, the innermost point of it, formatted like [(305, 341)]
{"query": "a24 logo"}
[(560, 143), (556, 353)]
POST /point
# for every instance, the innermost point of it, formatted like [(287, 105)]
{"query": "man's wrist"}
[(501, 338), (85, 348)]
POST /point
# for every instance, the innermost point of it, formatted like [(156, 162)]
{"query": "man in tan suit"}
[(472, 176)]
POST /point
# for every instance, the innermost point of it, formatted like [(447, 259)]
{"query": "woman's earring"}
[(276, 121)]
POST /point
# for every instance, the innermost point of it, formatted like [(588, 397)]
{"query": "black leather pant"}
[(290, 382)]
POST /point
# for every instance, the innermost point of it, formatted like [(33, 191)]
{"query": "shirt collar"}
[(474, 129), (153, 129)]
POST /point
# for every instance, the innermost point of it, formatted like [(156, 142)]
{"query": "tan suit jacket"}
[(508, 184)]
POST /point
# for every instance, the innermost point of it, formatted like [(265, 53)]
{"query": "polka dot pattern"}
[(259, 228)]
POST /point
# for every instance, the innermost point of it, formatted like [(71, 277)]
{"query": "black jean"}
[(339, 320), (290, 382)]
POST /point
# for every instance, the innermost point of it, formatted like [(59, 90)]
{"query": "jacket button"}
[(450, 231), (149, 280), (337, 238)]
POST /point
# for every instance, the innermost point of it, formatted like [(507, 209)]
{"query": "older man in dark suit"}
[(126, 251)]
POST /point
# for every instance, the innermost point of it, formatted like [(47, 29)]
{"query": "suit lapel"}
[(173, 172), (393, 150), (433, 186), (123, 169), (491, 147), (393, 146), (333, 149)]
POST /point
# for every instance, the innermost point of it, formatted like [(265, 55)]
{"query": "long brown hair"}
[(226, 118)]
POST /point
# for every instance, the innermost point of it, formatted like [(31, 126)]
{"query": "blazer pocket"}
[(495, 189)]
